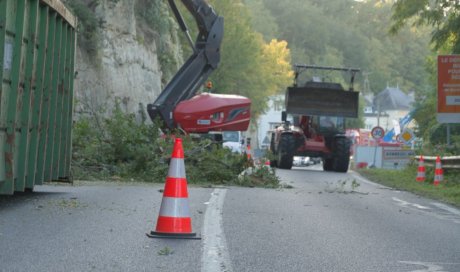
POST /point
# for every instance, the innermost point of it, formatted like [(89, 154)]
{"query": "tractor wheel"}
[(286, 149), (327, 164), (342, 155), (273, 162)]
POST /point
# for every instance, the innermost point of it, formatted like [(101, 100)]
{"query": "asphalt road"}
[(93, 228), (327, 222)]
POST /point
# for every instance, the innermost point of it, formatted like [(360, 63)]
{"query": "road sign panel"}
[(377, 132), (449, 89), (407, 136)]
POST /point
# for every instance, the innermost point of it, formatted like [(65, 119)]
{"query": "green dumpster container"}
[(37, 56)]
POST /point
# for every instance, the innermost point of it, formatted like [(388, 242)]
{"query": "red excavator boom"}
[(177, 106)]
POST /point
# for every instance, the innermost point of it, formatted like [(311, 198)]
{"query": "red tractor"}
[(314, 122)]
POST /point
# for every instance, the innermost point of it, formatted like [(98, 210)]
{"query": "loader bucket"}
[(323, 99)]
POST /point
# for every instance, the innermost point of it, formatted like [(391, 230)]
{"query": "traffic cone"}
[(421, 170), (248, 152), (438, 173), (174, 219)]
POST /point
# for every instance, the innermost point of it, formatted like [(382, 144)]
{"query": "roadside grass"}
[(447, 191)]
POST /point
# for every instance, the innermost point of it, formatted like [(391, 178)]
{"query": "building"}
[(387, 108)]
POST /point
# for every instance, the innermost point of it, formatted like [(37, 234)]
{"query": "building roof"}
[(393, 99)]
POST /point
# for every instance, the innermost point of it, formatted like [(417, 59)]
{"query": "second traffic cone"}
[(174, 220), (421, 170), (248, 152), (438, 173)]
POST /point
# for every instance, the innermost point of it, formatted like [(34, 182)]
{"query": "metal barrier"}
[(451, 162), (37, 52)]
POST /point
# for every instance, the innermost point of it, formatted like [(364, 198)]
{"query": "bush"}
[(119, 148)]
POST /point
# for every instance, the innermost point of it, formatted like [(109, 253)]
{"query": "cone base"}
[(170, 235)]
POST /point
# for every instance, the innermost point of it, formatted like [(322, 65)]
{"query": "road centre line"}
[(215, 256)]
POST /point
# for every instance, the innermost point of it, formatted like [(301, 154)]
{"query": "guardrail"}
[(451, 162)]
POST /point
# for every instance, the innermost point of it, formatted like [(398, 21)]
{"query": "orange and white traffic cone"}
[(248, 152), (438, 173), (174, 220), (421, 170)]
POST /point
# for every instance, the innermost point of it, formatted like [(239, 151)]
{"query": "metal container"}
[(37, 56)]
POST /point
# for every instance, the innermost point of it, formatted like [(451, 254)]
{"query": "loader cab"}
[(329, 125), (323, 125)]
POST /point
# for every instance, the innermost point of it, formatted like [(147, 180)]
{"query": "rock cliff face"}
[(126, 67)]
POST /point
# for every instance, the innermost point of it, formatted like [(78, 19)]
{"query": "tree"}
[(442, 15), (249, 66)]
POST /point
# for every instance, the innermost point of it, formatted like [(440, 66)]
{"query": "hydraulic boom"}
[(191, 76)]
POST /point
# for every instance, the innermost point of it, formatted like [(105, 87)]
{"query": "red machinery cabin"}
[(217, 112)]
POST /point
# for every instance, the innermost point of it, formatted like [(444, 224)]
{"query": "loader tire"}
[(286, 150), (327, 164), (342, 155)]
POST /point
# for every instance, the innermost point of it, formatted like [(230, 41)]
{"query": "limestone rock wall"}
[(126, 67)]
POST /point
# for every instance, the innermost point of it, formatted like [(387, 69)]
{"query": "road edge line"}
[(215, 257)]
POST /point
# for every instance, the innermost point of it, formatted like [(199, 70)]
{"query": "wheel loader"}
[(314, 121)]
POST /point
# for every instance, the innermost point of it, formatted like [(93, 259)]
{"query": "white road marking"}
[(446, 208), (405, 204), (215, 256), (429, 267)]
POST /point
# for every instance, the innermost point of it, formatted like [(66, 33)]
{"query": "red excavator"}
[(178, 106)]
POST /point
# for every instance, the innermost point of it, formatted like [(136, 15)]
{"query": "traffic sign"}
[(377, 132), (448, 89), (407, 136)]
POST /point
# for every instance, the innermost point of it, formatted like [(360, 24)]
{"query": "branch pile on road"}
[(121, 148)]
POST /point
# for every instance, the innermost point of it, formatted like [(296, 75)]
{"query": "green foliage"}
[(119, 148), (87, 25), (442, 15), (445, 18), (262, 20), (213, 164), (448, 190), (249, 66), (259, 177), (156, 15), (352, 34)]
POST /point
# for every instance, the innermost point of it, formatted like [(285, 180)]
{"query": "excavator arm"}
[(205, 58)]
